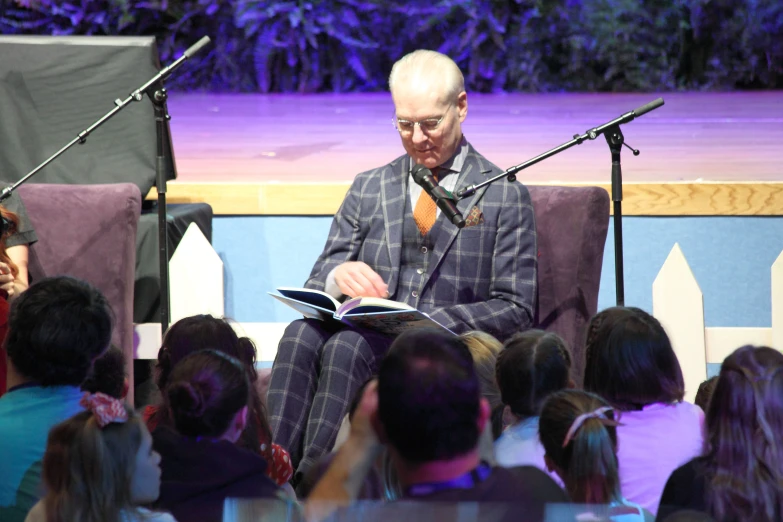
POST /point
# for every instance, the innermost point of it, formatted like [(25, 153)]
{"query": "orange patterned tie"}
[(426, 209)]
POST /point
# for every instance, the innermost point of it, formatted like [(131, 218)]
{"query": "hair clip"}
[(597, 414), (105, 408)]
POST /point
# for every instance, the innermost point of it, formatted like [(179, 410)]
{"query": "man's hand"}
[(357, 279), (7, 280)]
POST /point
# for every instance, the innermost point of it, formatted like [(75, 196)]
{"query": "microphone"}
[(443, 198)]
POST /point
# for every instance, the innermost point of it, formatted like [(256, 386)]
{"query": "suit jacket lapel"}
[(393, 196), (473, 172)]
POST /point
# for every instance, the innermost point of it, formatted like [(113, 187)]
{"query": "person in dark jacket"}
[(207, 396)]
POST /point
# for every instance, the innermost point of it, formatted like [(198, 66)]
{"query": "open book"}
[(373, 313)]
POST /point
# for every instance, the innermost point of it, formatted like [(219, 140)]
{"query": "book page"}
[(369, 305), (313, 297), (307, 310)]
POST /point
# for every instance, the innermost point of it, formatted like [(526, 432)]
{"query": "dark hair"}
[(202, 332), (532, 366), (205, 392), (497, 421), (744, 420), (704, 394), (630, 361), (589, 460), (429, 396), (56, 328), (107, 374)]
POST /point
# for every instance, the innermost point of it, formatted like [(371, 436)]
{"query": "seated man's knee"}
[(349, 345)]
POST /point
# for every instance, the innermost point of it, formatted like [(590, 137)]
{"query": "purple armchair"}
[(571, 225), (89, 232)]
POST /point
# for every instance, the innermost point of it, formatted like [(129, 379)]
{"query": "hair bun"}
[(186, 399)]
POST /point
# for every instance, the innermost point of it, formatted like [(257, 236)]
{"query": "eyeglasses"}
[(406, 127)]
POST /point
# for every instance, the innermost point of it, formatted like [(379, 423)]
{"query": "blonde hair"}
[(484, 350), (429, 64), (87, 470)]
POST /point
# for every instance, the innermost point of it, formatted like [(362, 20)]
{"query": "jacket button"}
[(419, 271), (423, 250), (415, 293)]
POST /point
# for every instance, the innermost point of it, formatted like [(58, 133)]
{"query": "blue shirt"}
[(26, 415), (519, 445)]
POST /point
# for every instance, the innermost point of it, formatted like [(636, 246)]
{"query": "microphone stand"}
[(157, 94), (615, 140)]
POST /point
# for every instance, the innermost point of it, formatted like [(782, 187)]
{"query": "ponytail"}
[(578, 432)]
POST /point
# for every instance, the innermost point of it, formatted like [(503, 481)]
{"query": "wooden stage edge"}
[(639, 199)]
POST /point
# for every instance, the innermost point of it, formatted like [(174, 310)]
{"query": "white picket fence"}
[(196, 275)]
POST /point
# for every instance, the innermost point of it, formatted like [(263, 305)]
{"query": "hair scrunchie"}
[(596, 414), (105, 408)]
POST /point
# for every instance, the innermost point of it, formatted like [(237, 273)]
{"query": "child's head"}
[(630, 361), (205, 332), (484, 349), (208, 395), (532, 365), (577, 430), (99, 463), (704, 394), (744, 421), (202, 332), (107, 375)]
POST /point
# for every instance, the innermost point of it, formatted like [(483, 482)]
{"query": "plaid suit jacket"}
[(479, 278)]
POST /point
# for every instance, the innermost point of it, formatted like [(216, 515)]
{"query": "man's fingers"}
[(374, 281), (367, 288), (357, 279)]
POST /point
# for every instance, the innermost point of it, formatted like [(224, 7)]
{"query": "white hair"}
[(431, 65)]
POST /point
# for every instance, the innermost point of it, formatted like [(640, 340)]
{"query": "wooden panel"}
[(722, 341), (679, 305), (639, 199)]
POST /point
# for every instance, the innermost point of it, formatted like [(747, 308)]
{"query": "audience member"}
[(207, 395), (200, 332), (107, 375), (57, 328), (580, 439), (630, 363), (532, 366), (741, 475), (427, 407), (16, 236), (484, 350), (704, 394), (99, 466)]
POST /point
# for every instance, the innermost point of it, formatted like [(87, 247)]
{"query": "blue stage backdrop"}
[(511, 45)]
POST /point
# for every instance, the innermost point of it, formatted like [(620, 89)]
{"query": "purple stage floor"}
[(330, 138)]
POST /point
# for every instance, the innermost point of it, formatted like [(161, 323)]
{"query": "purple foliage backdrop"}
[(512, 45)]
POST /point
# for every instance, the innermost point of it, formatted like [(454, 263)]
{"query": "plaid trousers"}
[(317, 371)]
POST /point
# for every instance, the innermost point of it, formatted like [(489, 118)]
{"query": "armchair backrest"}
[(89, 232), (571, 226)]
